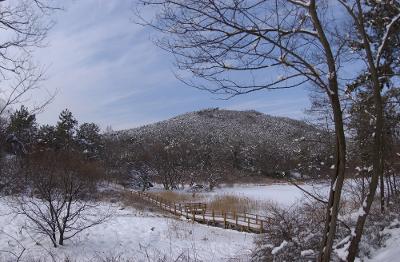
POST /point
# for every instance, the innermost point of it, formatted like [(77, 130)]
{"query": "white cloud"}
[(107, 70)]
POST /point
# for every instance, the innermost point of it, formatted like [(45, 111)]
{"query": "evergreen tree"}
[(377, 19), (46, 138), (23, 126), (65, 130), (89, 139), (3, 127)]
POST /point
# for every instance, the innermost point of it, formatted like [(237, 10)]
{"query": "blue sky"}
[(107, 70)]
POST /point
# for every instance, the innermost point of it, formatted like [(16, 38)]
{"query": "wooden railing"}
[(199, 212)]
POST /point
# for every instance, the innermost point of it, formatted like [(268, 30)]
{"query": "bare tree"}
[(276, 44), (374, 60), (57, 198), (24, 27)]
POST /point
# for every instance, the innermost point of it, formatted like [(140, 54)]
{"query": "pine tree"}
[(377, 19), (89, 139), (46, 138), (23, 126), (65, 130)]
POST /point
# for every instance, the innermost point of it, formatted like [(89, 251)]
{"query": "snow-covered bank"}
[(128, 234), (391, 251)]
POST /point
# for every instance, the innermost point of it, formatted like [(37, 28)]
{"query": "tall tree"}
[(374, 53), (89, 139), (223, 42), (23, 125), (66, 130), (46, 138)]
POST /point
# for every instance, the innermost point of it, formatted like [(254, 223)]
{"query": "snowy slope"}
[(228, 127), (391, 251)]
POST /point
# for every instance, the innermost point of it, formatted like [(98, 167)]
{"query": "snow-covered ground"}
[(135, 235), (391, 251), (128, 234), (132, 234)]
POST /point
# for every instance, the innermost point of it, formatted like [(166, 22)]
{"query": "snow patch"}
[(279, 248)]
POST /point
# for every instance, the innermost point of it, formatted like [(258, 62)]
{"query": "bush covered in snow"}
[(293, 233)]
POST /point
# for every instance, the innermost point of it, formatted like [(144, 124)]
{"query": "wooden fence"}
[(198, 212)]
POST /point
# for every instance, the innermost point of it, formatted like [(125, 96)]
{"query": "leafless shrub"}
[(16, 255), (293, 233), (57, 200), (10, 178), (375, 235)]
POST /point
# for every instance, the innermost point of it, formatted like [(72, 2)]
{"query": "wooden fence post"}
[(224, 219), (262, 226), (213, 216)]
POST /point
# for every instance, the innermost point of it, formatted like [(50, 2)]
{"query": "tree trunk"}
[(61, 239), (336, 184), (378, 141), (378, 171), (382, 189), (332, 210), (54, 239)]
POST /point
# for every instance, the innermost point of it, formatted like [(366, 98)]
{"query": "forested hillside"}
[(227, 144)]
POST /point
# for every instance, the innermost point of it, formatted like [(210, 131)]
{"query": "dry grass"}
[(175, 197), (132, 200), (231, 203), (220, 203), (128, 199), (251, 180)]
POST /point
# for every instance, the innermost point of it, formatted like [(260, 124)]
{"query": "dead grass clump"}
[(231, 203), (175, 197), (126, 198)]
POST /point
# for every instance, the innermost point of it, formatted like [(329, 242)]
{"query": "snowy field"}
[(128, 234), (135, 235)]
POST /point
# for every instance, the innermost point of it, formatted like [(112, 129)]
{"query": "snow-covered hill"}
[(252, 132)]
